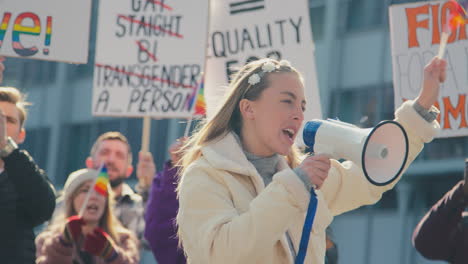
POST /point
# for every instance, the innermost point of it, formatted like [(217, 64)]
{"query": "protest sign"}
[(149, 57), (416, 30), (56, 30), (241, 31)]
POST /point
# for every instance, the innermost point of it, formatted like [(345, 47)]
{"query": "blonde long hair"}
[(108, 221), (228, 117)]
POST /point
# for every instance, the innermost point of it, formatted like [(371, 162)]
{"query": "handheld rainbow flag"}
[(199, 100), (457, 18), (200, 105), (102, 181)]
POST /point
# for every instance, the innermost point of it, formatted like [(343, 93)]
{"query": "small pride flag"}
[(102, 181), (199, 100), (458, 17), (200, 105)]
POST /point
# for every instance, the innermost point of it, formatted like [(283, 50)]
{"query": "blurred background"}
[(354, 67)]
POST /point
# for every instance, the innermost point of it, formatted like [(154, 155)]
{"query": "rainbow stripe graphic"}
[(4, 26), (48, 35), (458, 17), (200, 104), (199, 100), (102, 182), (19, 29)]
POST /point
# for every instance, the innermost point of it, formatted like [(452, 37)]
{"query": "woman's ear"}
[(246, 108)]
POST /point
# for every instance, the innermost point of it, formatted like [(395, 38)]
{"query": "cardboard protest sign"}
[(416, 30), (56, 30), (241, 31), (149, 57)]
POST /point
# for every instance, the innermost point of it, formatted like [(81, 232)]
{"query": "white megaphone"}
[(381, 151)]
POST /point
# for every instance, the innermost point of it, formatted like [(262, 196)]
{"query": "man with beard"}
[(113, 149)]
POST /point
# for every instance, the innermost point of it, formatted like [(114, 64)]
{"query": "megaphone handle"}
[(308, 223)]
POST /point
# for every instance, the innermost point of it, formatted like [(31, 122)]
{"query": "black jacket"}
[(27, 199), (443, 233)]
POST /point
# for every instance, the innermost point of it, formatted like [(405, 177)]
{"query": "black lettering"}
[(246, 39), (281, 29), (176, 100), (134, 97), (177, 24), (174, 72), (296, 27), (165, 76), (107, 74), (146, 80), (142, 27), (233, 46), (119, 23), (216, 52), (269, 35), (194, 73), (102, 99), (229, 69), (142, 54), (143, 100), (136, 5), (154, 102), (150, 2), (165, 108), (132, 17)]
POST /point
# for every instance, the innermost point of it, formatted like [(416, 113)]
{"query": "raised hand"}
[(434, 73), (316, 167), (73, 228), (99, 243), (146, 169)]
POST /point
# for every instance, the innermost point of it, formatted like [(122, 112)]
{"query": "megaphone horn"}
[(381, 151)]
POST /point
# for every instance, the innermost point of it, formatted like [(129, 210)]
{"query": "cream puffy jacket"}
[(227, 215)]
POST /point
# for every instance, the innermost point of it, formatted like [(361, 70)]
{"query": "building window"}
[(37, 144), (38, 73), (13, 72), (364, 14), (355, 106), (317, 21), (444, 148)]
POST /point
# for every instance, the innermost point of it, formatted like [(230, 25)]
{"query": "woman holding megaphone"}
[(245, 188)]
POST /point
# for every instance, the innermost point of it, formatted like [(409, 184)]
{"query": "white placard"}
[(149, 57), (55, 30), (416, 30), (243, 30)]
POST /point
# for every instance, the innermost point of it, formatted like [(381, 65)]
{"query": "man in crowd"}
[(27, 198), (113, 149)]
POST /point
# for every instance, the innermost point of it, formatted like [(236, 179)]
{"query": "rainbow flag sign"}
[(102, 181), (200, 105), (199, 100)]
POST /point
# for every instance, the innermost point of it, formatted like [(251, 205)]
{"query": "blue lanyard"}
[(309, 221)]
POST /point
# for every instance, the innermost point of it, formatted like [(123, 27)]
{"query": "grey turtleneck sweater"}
[(267, 167)]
